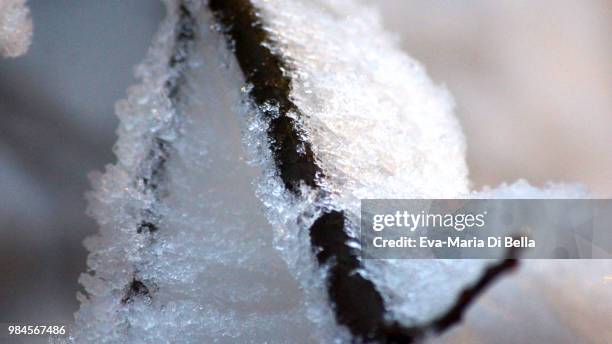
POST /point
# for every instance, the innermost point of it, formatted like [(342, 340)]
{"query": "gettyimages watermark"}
[(486, 228)]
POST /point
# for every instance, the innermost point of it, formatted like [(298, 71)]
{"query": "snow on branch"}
[(306, 107)]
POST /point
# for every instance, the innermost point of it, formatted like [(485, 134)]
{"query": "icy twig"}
[(357, 302), (153, 166), (130, 193), (468, 296)]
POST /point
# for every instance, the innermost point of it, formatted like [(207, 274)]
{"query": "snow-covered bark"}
[(15, 28)]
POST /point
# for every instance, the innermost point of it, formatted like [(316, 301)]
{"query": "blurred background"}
[(532, 81), (58, 124)]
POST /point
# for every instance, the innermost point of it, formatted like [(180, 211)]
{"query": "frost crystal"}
[(15, 28)]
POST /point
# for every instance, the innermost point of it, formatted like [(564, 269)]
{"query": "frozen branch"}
[(355, 299), (329, 112)]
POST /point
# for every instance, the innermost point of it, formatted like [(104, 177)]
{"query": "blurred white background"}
[(532, 81)]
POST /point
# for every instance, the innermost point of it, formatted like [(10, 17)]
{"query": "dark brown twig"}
[(357, 303)]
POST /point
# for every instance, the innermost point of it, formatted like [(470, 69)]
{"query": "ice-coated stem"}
[(150, 179), (357, 303)]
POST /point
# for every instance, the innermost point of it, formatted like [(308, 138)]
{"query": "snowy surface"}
[(15, 28)]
